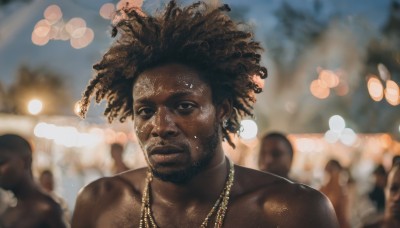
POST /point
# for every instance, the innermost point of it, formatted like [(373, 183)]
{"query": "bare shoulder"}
[(46, 211), (285, 203), (108, 194), (105, 186)]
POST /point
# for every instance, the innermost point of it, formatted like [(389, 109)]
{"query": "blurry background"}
[(333, 85)]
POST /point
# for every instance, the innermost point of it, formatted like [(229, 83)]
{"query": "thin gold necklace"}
[(221, 205)]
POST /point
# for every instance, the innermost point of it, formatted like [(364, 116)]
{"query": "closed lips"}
[(165, 150)]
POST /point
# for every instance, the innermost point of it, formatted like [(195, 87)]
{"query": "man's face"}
[(393, 194), (11, 169), (275, 157), (176, 121)]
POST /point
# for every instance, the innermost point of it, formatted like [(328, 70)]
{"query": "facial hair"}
[(181, 177)]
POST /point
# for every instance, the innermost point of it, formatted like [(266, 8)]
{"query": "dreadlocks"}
[(198, 36)]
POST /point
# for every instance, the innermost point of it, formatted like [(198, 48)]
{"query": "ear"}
[(224, 110)]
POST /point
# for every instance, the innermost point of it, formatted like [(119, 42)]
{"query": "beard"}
[(183, 176)]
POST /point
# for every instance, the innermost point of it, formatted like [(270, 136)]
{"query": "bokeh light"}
[(383, 72), (392, 94), (53, 13), (107, 10), (375, 88), (331, 136), (337, 123), (84, 40), (329, 78), (319, 89), (42, 28), (68, 136), (348, 137), (52, 27), (73, 24), (35, 106), (248, 129)]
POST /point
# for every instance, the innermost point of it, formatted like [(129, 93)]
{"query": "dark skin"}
[(391, 217), (34, 208), (119, 165), (174, 110), (275, 157)]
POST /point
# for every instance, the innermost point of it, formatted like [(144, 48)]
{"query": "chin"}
[(176, 176)]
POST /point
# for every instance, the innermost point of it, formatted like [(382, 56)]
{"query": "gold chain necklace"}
[(221, 205)]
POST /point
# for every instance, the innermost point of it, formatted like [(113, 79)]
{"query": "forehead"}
[(169, 78)]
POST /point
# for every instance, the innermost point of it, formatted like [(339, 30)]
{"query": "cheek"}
[(141, 130)]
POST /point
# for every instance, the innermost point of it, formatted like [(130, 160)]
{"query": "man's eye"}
[(185, 106), (144, 112)]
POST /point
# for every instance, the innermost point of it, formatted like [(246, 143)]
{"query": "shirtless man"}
[(33, 208), (186, 77)]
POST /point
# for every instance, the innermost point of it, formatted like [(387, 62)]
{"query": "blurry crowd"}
[(379, 206)]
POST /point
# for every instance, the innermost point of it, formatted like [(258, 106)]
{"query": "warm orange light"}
[(74, 24), (319, 89), (84, 40), (53, 13), (42, 28), (107, 10), (329, 77), (40, 41), (392, 94), (386, 140), (375, 89)]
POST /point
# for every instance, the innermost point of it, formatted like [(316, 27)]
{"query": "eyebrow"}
[(174, 96)]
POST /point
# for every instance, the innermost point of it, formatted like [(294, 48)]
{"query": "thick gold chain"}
[(221, 205)]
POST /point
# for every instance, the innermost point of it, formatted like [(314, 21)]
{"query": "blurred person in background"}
[(391, 218), (116, 151), (276, 154), (46, 181), (377, 194), (395, 159), (336, 190), (187, 76), (33, 207)]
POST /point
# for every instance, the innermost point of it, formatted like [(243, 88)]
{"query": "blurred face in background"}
[(47, 182), (12, 168), (275, 157), (393, 194)]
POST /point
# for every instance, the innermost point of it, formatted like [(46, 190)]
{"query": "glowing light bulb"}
[(35, 106)]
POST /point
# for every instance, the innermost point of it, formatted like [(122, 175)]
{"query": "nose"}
[(164, 125)]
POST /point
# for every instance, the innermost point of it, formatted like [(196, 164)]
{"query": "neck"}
[(205, 186), (25, 189)]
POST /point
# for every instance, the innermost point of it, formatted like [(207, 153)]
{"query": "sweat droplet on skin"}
[(195, 137)]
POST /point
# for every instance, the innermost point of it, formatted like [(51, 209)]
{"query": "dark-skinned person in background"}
[(391, 218), (275, 154), (33, 208)]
